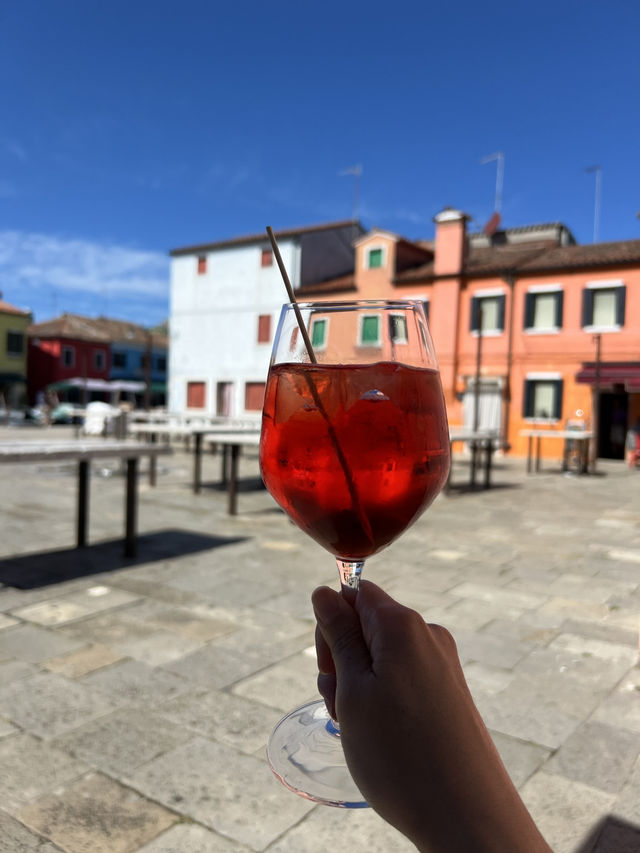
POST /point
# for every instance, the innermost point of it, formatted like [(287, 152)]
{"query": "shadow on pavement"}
[(246, 484), (612, 835), (28, 571)]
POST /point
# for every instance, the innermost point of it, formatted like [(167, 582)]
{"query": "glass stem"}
[(350, 571)]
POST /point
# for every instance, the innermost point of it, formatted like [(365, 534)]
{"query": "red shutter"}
[(253, 396), (195, 395), (264, 328)]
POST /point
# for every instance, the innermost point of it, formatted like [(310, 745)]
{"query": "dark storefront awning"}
[(611, 373)]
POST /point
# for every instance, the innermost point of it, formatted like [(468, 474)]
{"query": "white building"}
[(224, 307)]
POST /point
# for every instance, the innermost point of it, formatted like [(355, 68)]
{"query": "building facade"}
[(225, 303), (550, 328), (85, 358), (13, 355), (546, 329)]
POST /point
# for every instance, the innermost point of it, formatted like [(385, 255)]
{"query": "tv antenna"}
[(596, 208), (356, 171), (499, 156)]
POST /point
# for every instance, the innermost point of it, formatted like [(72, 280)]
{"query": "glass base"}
[(306, 755)]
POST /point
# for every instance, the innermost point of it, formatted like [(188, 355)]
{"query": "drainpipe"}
[(510, 279)]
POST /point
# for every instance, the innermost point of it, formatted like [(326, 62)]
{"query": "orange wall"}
[(563, 352)]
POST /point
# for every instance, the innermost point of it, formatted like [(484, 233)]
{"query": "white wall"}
[(214, 320)]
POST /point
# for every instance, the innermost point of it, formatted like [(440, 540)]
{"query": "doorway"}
[(613, 418), (224, 399)]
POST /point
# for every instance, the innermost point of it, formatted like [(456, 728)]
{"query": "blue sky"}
[(130, 128)]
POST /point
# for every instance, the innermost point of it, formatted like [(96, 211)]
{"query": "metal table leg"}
[(83, 502), (131, 511)]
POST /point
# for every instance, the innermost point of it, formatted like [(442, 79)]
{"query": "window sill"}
[(488, 333), (541, 421), (601, 329), (552, 330)]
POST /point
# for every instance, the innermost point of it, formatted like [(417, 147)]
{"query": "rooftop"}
[(260, 238)]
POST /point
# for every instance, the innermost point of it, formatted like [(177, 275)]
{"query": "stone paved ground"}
[(136, 696)]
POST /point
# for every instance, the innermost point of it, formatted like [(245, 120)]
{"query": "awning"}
[(611, 373), (96, 385)]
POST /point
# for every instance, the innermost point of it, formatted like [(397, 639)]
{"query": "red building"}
[(69, 347)]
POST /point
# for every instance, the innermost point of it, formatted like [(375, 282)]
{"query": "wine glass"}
[(354, 447)]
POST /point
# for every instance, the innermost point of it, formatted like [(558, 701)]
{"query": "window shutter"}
[(621, 293), (557, 401), (587, 307), (527, 399), (502, 301), (475, 314), (529, 303), (559, 305)]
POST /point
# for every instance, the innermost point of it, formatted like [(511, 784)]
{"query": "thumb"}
[(340, 627)]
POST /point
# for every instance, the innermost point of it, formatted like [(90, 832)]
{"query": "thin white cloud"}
[(75, 265)]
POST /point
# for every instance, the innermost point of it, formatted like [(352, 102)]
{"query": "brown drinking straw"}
[(292, 296)]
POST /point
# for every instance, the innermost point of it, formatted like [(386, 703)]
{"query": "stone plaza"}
[(137, 695)]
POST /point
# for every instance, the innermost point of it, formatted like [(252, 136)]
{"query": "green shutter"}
[(370, 330), (318, 333), (375, 258)]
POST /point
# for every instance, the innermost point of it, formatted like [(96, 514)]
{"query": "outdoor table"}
[(246, 434), (479, 440), (83, 452), (582, 437)]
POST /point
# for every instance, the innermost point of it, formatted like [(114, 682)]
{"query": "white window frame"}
[(610, 284), (368, 344), (382, 248), (403, 340), (488, 294), (544, 288), (544, 376)]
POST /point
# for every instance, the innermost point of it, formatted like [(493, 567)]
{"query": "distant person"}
[(413, 739), (632, 445)]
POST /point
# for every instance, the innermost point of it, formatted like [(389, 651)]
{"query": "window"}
[(68, 356), (264, 328), (195, 395), (161, 363), (119, 360), (266, 258), (370, 331), (375, 258), (99, 359), (425, 305), (488, 309), (603, 305), (202, 264), (253, 396), (15, 343), (319, 334), (542, 398), (543, 310), (398, 328)]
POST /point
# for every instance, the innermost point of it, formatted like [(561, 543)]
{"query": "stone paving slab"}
[(97, 814), (194, 839), (31, 768), (222, 789), (16, 837), (155, 693)]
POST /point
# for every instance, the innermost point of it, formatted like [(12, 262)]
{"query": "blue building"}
[(138, 358)]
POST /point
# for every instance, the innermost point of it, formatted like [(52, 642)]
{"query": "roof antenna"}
[(596, 209), (499, 156)]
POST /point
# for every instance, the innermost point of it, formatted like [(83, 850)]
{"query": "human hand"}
[(413, 739)]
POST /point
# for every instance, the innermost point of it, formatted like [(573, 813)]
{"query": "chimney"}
[(450, 242)]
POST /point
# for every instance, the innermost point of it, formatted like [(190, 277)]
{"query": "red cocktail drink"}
[(354, 453)]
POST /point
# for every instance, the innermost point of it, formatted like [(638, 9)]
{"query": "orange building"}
[(551, 328)]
